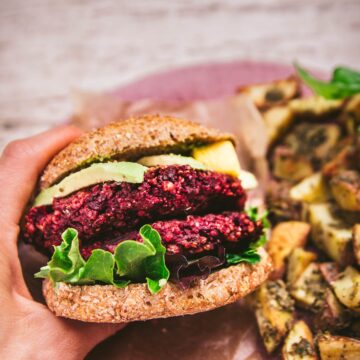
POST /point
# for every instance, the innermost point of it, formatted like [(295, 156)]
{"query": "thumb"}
[(21, 164)]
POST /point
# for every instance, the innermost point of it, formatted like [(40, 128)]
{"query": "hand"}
[(28, 329)]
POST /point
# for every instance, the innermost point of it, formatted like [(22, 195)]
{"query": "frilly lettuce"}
[(132, 261), (138, 262)]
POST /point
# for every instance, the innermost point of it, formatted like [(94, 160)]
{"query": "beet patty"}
[(193, 235), (167, 192)]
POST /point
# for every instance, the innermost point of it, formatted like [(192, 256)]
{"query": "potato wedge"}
[(332, 315), (309, 289), (270, 94), (330, 234), (347, 288), (315, 107), (356, 242), (299, 344), (338, 347), (274, 311), (285, 237), (330, 271), (311, 189), (351, 114), (345, 188), (298, 261), (289, 165), (281, 206), (277, 119)]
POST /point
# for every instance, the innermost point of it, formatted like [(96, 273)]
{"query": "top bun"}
[(129, 140)]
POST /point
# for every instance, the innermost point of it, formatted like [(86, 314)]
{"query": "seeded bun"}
[(129, 140), (108, 304)]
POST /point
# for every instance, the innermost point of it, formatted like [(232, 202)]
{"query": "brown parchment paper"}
[(227, 333)]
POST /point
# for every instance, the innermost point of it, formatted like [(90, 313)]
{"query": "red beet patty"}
[(193, 235), (108, 208)]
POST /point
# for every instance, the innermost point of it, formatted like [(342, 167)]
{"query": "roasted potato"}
[(311, 189), (274, 311), (270, 94), (330, 234), (309, 289), (347, 288), (281, 207), (285, 237), (315, 107), (332, 315), (351, 114), (338, 347), (356, 242), (289, 165), (313, 140), (345, 188), (330, 271), (299, 344), (298, 261), (277, 119)]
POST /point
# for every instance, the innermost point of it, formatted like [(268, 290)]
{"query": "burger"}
[(145, 218)]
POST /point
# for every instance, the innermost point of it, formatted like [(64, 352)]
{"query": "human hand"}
[(28, 329)]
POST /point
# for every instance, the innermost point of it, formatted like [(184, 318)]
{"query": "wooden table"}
[(49, 47)]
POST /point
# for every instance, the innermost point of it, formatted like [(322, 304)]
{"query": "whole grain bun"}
[(129, 140), (108, 304)]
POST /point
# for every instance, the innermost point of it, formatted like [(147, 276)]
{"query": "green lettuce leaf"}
[(66, 260), (345, 82), (100, 267), (132, 261), (157, 274), (253, 213), (251, 255)]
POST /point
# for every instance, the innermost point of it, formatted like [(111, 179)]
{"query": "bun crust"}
[(129, 140), (108, 304)]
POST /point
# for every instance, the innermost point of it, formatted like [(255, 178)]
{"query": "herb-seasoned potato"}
[(304, 150), (290, 166), (277, 119), (351, 115), (312, 189), (270, 94), (309, 289), (347, 288), (330, 234), (315, 107), (330, 271), (345, 188), (332, 315), (274, 310), (298, 261), (285, 237), (356, 242), (281, 206), (338, 347), (299, 344)]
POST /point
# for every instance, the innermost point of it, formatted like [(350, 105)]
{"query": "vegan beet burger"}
[(145, 218)]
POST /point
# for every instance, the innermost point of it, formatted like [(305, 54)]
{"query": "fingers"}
[(21, 164)]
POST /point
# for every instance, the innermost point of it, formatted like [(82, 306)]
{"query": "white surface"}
[(48, 47)]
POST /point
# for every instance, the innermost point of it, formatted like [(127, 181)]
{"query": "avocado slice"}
[(96, 173), (170, 159)]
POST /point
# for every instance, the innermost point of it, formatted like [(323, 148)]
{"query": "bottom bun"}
[(109, 304)]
